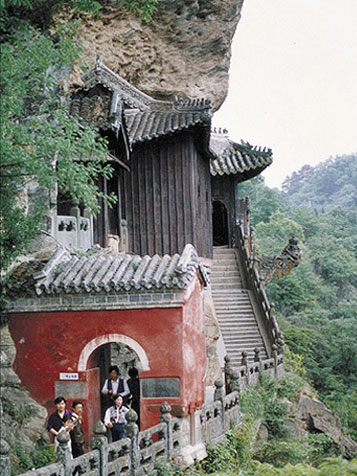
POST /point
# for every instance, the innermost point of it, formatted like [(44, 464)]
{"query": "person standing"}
[(134, 387), (77, 435), (56, 419), (114, 418), (115, 385)]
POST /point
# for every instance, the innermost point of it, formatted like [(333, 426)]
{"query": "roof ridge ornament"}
[(192, 103), (219, 131), (98, 63)]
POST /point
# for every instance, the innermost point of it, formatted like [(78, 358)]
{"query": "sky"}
[(293, 82)]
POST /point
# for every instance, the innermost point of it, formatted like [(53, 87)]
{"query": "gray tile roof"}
[(144, 126), (233, 158), (105, 270)]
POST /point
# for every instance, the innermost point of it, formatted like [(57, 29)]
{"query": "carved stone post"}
[(165, 417), (219, 396), (63, 453), (257, 358), (235, 381), (245, 363), (100, 442), (227, 374), (132, 432), (5, 466), (280, 343), (275, 356)]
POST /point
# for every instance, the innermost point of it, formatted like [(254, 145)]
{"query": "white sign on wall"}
[(68, 376)]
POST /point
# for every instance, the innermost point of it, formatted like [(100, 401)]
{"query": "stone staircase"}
[(234, 309)]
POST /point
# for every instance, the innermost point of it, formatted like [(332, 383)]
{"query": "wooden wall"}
[(167, 197)]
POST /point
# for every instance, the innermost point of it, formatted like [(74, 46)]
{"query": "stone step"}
[(227, 285), (248, 342), (224, 278), (241, 326), (224, 274), (223, 251), (229, 293), (236, 328), (218, 266), (224, 261), (235, 311), (231, 299)]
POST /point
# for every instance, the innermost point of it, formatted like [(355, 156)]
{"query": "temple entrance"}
[(102, 353), (121, 356), (220, 224)]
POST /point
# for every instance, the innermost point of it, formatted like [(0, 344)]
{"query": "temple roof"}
[(110, 102), (105, 270), (144, 126), (233, 158)]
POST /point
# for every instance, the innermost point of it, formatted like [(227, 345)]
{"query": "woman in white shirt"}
[(114, 418)]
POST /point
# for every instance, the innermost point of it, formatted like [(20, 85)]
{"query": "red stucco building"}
[(82, 304)]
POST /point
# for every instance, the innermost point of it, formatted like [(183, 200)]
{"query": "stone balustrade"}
[(247, 374), (139, 452)]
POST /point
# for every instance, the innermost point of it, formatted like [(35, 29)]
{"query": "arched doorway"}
[(96, 358), (220, 224)]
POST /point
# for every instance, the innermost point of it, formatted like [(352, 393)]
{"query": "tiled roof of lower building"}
[(104, 269)]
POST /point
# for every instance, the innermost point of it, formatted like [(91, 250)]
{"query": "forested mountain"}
[(327, 186), (317, 302)]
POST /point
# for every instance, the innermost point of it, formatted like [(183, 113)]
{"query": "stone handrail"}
[(247, 374), (245, 245), (135, 454), (220, 415)]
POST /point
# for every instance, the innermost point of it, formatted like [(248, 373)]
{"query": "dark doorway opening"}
[(220, 224), (126, 360)]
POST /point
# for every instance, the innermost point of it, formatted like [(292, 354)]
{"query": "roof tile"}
[(67, 272)]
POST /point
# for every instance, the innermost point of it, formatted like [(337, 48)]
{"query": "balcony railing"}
[(74, 231)]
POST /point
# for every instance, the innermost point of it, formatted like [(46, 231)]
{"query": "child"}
[(67, 426)]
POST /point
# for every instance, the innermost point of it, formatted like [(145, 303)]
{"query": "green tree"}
[(264, 201), (40, 143), (273, 236)]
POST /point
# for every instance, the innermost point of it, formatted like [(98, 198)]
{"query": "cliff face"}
[(185, 49)]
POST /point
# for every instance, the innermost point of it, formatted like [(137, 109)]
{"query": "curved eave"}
[(240, 161)]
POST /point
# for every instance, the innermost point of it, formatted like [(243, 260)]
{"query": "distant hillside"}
[(329, 185)]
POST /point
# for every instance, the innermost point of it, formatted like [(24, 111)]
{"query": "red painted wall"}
[(173, 339)]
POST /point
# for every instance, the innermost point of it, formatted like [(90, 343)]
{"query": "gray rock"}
[(319, 418), (22, 418), (184, 50)]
